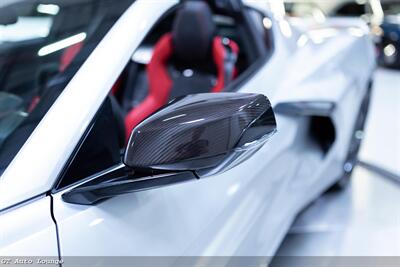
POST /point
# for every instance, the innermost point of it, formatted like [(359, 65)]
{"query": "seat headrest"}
[(193, 31)]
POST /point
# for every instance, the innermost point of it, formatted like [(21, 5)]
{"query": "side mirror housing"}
[(205, 133)]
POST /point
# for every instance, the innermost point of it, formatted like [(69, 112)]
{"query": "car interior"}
[(37, 80), (194, 49), (197, 47)]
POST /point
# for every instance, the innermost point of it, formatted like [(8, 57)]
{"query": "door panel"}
[(210, 216), (28, 230)]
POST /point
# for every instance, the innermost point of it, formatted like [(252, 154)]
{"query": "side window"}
[(100, 149), (42, 46)]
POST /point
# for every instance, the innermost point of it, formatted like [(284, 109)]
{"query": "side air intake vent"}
[(322, 131)]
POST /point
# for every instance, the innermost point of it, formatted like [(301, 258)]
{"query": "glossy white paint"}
[(56, 138), (28, 230), (245, 211)]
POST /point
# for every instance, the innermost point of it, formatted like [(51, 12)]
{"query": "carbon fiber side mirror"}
[(206, 133), (192, 137)]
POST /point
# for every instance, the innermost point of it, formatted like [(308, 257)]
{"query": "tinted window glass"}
[(41, 48), (100, 148)]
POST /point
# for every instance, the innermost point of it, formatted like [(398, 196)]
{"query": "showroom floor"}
[(363, 219)]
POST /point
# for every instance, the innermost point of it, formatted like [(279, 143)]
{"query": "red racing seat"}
[(183, 60)]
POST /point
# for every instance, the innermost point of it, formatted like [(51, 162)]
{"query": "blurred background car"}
[(384, 19), (382, 16)]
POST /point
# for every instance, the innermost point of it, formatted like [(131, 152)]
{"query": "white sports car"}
[(111, 105)]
